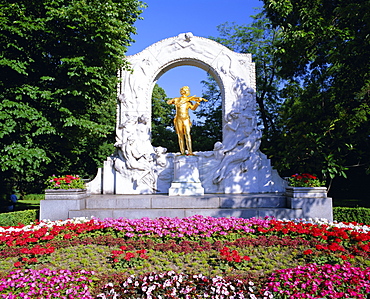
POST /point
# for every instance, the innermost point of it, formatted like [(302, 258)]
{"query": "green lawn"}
[(27, 204), (30, 202)]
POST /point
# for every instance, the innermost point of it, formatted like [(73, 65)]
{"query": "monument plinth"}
[(186, 177)]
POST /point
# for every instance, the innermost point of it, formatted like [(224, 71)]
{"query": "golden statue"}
[(182, 119)]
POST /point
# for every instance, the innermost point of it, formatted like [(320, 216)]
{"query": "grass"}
[(27, 204)]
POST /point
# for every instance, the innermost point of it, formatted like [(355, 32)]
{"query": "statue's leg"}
[(180, 134), (188, 137)]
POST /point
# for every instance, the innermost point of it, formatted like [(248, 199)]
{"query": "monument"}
[(234, 179), (235, 166)]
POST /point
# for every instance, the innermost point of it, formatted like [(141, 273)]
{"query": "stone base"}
[(186, 177), (58, 203), (186, 189), (57, 194), (161, 205), (306, 192)]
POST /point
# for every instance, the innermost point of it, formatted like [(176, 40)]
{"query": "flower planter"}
[(58, 194), (306, 192)]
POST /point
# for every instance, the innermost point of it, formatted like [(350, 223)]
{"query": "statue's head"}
[(217, 146), (185, 90), (232, 115)]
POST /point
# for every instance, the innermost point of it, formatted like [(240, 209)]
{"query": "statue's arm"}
[(197, 100), (193, 106)]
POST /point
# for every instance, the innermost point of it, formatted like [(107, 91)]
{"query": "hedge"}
[(14, 218), (358, 214)]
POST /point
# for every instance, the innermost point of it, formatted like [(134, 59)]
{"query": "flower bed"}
[(65, 182), (195, 257)]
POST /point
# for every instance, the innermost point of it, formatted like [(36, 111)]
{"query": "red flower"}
[(237, 259), (320, 247), (335, 247), (67, 236), (32, 260), (129, 256), (308, 251), (17, 264)]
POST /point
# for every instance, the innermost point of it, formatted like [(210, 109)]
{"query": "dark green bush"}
[(13, 218), (34, 196), (358, 214)]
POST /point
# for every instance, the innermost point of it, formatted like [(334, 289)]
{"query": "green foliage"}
[(163, 131), (36, 197), (58, 81), (324, 47), (312, 84), (18, 217), (208, 129), (88, 257), (258, 38), (359, 214)]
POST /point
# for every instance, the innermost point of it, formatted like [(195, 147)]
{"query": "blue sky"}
[(168, 18)]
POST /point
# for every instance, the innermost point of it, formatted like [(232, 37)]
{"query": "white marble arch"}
[(235, 166), (234, 72)]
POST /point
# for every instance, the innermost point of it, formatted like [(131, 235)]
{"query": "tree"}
[(258, 39), (163, 131), (58, 79), (325, 48)]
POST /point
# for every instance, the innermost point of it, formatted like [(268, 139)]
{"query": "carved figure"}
[(140, 162), (230, 129), (144, 136), (182, 119), (239, 155)]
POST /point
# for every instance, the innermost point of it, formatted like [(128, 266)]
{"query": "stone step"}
[(160, 205), (279, 213), (215, 205), (208, 201)]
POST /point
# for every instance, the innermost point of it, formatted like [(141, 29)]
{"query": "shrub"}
[(33, 197), (14, 218), (358, 214)]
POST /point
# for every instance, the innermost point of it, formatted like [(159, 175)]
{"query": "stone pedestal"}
[(58, 203), (186, 177), (313, 201), (306, 192)]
